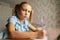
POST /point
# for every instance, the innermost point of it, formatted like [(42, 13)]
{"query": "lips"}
[(25, 16)]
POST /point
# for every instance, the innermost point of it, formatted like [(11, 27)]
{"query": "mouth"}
[(25, 16)]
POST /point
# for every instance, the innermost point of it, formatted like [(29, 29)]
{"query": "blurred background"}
[(49, 10)]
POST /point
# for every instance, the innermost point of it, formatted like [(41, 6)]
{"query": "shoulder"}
[(12, 18), (27, 22)]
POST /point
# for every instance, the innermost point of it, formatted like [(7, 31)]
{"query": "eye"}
[(29, 11), (26, 10)]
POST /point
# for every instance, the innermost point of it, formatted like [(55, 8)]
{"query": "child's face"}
[(25, 11)]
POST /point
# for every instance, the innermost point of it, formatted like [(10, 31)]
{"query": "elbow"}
[(10, 34)]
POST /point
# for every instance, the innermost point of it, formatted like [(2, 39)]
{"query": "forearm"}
[(17, 34)]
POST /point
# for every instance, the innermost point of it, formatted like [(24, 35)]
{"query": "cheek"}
[(21, 13), (28, 15)]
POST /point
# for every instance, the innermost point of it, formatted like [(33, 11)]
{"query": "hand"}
[(42, 33)]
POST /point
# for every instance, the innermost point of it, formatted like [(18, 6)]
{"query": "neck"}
[(21, 21)]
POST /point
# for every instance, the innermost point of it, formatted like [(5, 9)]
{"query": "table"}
[(45, 38), (16, 39)]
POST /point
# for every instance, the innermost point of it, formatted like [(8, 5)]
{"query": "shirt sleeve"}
[(29, 24), (12, 20)]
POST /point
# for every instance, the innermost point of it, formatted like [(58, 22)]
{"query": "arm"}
[(33, 28), (18, 34), (41, 33)]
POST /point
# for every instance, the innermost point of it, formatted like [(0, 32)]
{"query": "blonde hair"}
[(18, 6)]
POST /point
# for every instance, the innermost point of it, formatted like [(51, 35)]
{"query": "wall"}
[(49, 10), (5, 12)]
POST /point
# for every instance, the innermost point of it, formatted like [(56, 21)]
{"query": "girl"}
[(18, 26)]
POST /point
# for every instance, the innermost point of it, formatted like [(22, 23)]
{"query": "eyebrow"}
[(25, 9)]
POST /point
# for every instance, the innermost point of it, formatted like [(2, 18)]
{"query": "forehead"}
[(26, 6)]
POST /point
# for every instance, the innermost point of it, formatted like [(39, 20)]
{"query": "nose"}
[(26, 12)]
